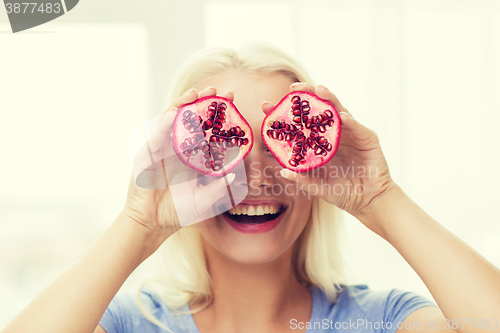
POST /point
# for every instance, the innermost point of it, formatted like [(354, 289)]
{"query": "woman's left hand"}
[(435, 254), (358, 173)]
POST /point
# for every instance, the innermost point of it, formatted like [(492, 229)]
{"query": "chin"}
[(253, 252), (252, 239)]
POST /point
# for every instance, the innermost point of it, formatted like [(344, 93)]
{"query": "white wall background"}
[(424, 74), (68, 102)]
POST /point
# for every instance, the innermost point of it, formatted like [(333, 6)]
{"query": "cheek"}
[(301, 211), (209, 230), (301, 203)]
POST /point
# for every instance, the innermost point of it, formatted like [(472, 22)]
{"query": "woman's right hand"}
[(149, 200)]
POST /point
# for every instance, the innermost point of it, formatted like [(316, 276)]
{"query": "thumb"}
[(206, 196)]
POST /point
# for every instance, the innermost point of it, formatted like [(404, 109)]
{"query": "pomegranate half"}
[(211, 136), (302, 131)]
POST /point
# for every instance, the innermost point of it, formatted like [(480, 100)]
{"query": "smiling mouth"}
[(255, 214)]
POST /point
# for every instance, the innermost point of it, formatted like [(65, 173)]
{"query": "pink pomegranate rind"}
[(302, 131), (211, 136)]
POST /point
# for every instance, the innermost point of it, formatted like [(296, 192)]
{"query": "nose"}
[(258, 173)]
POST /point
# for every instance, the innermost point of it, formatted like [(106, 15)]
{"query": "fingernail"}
[(288, 174), (230, 178), (296, 84), (347, 114), (321, 86), (189, 91), (172, 109)]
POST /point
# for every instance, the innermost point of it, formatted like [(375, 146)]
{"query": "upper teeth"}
[(255, 210)]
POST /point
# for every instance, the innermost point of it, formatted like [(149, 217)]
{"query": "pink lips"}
[(254, 228)]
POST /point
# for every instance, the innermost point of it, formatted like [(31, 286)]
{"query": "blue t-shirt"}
[(357, 309)]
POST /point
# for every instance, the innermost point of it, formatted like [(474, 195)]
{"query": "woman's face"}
[(256, 239)]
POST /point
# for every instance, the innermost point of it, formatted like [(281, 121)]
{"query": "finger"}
[(355, 128), (302, 86), (209, 91), (349, 113), (206, 196), (143, 159), (189, 97), (149, 139), (267, 107), (162, 131), (323, 93), (152, 179), (229, 95)]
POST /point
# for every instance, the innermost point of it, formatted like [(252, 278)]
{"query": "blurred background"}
[(425, 75)]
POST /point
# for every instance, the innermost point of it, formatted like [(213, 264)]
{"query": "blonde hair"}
[(317, 260)]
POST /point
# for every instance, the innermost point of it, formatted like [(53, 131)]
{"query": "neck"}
[(253, 298)]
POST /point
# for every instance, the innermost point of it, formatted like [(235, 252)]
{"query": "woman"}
[(218, 279)]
